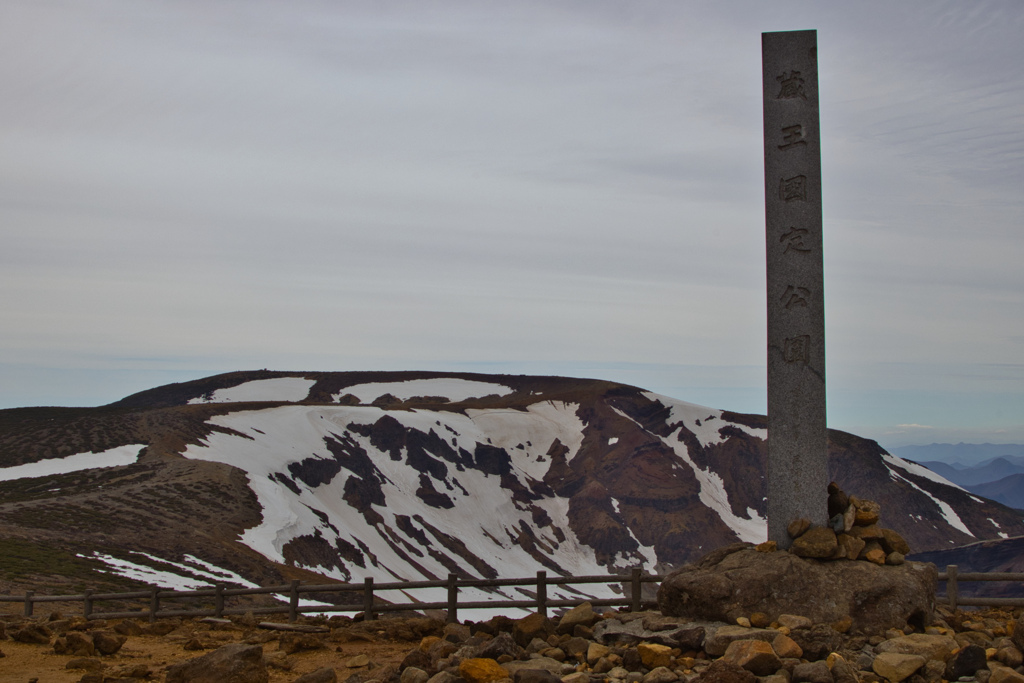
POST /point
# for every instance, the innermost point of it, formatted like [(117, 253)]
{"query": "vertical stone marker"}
[(797, 440)]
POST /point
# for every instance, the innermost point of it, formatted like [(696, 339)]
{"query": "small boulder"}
[(481, 670), (108, 642), (502, 644), (755, 656), (322, 675), (414, 674), (722, 671), (928, 646), (818, 641), (358, 662), (653, 655), (535, 676), (842, 670), (235, 663), (546, 663), (661, 674), (965, 662), (300, 642), (797, 527), (86, 663), (894, 543), (794, 621), (812, 672), (817, 542), (581, 614), (1005, 674), (535, 625), (1018, 633), (718, 642), (128, 627), (896, 667), (33, 634), (595, 651), (785, 646)]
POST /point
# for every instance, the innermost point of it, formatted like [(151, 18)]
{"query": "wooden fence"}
[(954, 578), (370, 606)]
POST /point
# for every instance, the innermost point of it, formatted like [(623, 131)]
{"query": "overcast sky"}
[(194, 187)]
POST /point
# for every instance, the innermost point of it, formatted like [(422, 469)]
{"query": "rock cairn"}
[(853, 533)]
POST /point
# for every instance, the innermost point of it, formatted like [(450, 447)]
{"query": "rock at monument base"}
[(735, 581), (818, 542)]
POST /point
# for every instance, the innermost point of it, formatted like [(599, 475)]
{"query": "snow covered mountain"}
[(272, 475)]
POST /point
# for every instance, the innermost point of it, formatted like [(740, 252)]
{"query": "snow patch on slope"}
[(114, 457), (945, 509), (704, 422), (292, 389), (452, 388), (486, 518), (919, 470)]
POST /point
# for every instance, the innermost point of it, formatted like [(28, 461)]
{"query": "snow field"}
[(945, 509), (114, 457), (754, 528), (452, 388), (486, 520), (277, 389), (195, 574)]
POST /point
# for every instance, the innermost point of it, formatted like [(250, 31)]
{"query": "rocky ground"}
[(581, 646)]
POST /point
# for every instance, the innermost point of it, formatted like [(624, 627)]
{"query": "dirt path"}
[(23, 662)]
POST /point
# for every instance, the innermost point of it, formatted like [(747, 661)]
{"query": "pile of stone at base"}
[(853, 533), (647, 647)]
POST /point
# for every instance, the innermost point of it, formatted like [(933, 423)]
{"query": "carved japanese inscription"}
[(797, 441)]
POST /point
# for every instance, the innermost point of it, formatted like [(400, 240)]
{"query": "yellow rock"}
[(357, 662), (654, 655), (767, 547), (482, 670), (427, 642), (785, 646), (743, 621)]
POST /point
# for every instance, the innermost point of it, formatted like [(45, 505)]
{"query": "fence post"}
[(154, 605), (542, 593), (368, 614), (293, 602), (635, 601), (453, 599), (28, 602), (87, 608), (218, 601), (952, 590)]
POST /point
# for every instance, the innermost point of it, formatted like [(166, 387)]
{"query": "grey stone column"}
[(797, 439)]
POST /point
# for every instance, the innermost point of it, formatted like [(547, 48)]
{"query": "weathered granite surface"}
[(738, 580)]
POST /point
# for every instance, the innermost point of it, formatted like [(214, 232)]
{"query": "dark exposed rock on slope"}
[(275, 475)]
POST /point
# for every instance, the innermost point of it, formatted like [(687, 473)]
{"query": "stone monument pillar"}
[(797, 440)]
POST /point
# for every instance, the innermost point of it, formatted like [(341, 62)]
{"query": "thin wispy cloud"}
[(574, 187)]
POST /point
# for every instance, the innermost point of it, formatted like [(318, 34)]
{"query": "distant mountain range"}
[(1000, 479), (260, 477), (959, 455)]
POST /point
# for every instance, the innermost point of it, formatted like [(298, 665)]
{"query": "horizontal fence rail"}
[(369, 605), (954, 578)]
